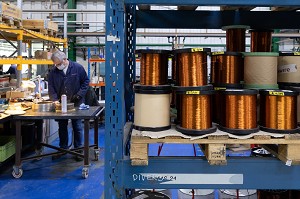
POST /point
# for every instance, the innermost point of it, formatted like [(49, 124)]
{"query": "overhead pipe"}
[(70, 11), (159, 34)]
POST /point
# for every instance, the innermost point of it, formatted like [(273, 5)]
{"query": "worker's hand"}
[(76, 98), (56, 102)]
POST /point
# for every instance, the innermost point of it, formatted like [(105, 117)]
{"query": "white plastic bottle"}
[(63, 103)]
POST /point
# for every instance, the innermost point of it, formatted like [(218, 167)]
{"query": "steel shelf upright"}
[(174, 172)]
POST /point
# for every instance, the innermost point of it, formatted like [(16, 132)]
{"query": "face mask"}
[(61, 67)]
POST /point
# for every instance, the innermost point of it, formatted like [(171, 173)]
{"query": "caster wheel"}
[(96, 155), (85, 173), (19, 175), (38, 153)]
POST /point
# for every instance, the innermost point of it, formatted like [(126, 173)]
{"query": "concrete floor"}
[(47, 178), (60, 178)]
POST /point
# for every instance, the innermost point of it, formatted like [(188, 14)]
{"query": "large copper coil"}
[(154, 67), (227, 68), (261, 40), (238, 110), (217, 100), (195, 112), (192, 67), (235, 38), (278, 110), (174, 80)]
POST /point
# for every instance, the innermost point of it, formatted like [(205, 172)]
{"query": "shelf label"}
[(276, 93), (188, 178), (192, 92), (289, 68), (197, 49)]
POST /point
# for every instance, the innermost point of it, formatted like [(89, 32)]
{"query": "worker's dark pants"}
[(64, 136)]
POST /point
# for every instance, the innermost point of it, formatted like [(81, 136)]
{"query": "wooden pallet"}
[(48, 32), (43, 26), (215, 147), (10, 21)]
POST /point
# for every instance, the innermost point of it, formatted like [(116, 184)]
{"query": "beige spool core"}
[(288, 71), (152, 110), (260, 69)]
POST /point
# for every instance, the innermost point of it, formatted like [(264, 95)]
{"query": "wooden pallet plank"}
[(289, 154), (216, 154), (141, 139), (139, 153), (40, 24)]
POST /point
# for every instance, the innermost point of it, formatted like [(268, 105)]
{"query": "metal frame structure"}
[(169, 172), (23, 35)]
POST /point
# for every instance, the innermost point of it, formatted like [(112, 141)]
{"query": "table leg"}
[(85, 169), (96, 133), (96, 137), (17, 170), (86, 142)]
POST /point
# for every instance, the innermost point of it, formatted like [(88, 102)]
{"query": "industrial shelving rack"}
[(122, 19), (22, 35)]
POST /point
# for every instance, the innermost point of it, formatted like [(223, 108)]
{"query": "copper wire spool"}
[(278, 111), (227, 68), (238, 111), (261, 40), (235, 38), (217, 100), (192, 67), (195, 111), (154, 67)]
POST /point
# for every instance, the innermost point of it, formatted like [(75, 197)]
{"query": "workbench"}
[(92, 113)]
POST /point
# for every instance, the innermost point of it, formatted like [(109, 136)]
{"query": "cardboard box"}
[(10, 10), (39, 54), (17, 94), (34, 24)]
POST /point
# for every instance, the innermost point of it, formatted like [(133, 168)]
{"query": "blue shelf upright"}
[(122, 19)]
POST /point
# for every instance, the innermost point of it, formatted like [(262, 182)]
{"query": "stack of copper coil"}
[(193, 93), (227, 68), (152, 95)]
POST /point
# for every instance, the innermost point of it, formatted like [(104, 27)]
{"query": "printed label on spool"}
[(219, 88), (276, 93), (197, 49), (289, 68), (192, 92), (218, 53), (296, 53)]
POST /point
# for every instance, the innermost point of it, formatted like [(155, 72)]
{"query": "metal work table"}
[(92, 113)]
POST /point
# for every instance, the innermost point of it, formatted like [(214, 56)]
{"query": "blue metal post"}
[(89, 64), (130, 60), (114, 97)]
